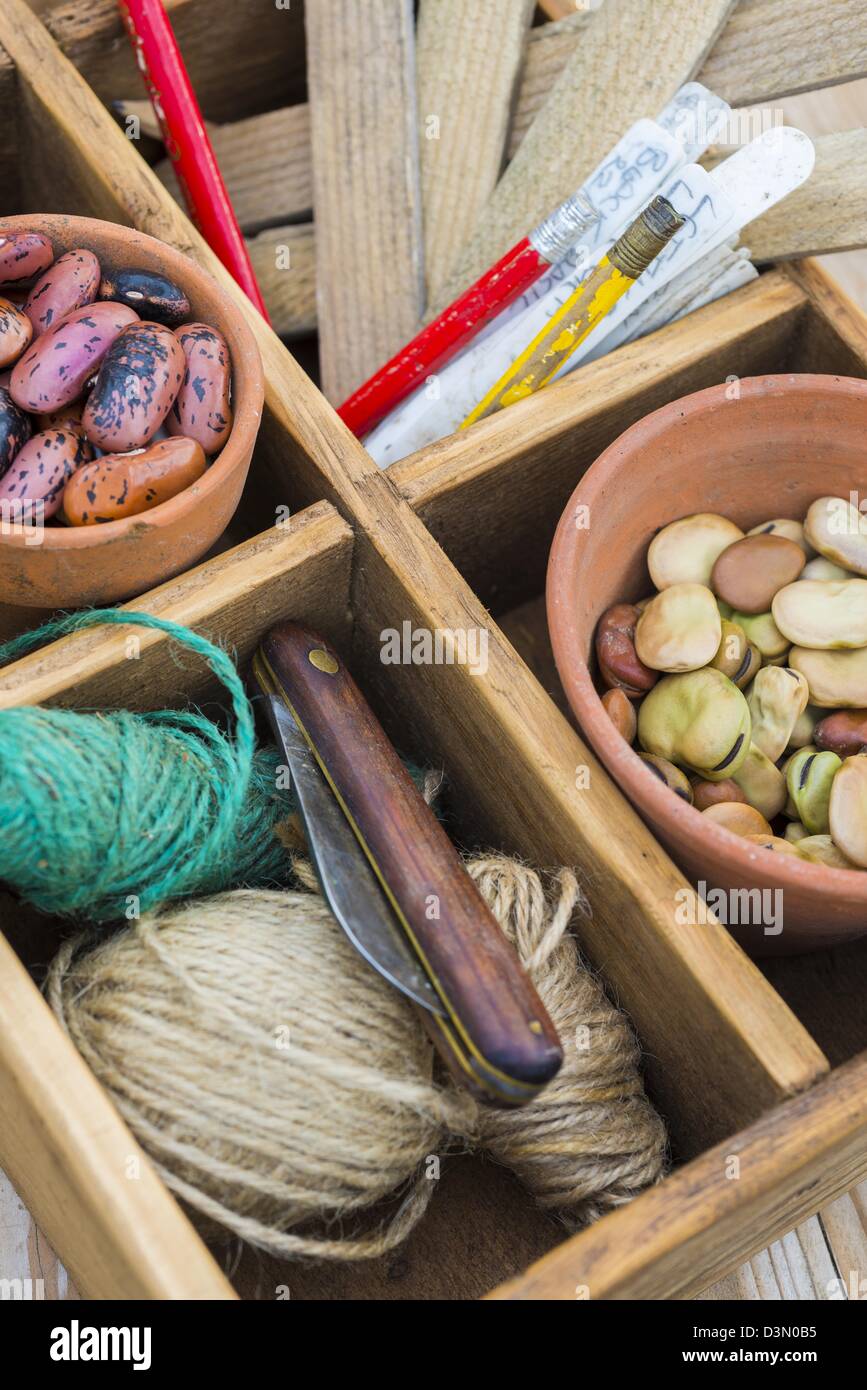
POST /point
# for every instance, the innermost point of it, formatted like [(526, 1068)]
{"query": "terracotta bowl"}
[(785, 441), (77, 566)]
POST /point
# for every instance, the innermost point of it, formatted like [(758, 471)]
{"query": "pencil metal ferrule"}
[(645, 237), (564, 228)]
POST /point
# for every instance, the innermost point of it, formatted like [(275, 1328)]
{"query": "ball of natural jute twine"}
[(590, 1140), (281, 1087)]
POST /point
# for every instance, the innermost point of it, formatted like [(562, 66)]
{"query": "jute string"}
[(282, 1088)]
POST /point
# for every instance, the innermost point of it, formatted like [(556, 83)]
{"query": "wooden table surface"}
[(826, 1257)]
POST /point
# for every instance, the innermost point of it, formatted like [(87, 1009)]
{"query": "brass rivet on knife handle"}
[(645, 238), (323, 661), (497, 1027)]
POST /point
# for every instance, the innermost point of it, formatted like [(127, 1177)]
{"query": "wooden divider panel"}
[(83, 1175)]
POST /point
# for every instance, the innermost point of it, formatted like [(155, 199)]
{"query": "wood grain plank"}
[(90, 1187), (827, 213), (366, 193), (266, 166), (845, 1226), (468, 56), (729, 1204), (284, 259), (627, 64), (797, 1268), (835, 328), (774, 48), (767, 50)]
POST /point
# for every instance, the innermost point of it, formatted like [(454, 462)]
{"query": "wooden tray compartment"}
[(725, 1054)]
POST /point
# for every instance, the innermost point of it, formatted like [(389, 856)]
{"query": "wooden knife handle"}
[(497, 1031)]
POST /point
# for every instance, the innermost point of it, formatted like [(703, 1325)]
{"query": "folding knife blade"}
[(346, 878)]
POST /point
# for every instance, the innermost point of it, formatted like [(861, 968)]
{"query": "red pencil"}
[(187, 144), (440, 340)]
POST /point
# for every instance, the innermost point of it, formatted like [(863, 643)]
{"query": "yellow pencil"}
[(628, 258)]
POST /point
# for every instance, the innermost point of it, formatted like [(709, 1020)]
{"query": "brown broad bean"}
[(739, 818), (749, 573), (615, 651), (843, 733), (706, 794), (621, 712)]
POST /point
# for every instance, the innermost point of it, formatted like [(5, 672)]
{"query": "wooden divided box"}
[(764, 1063)]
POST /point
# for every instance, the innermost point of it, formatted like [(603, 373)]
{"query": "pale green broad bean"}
[(777, 698), (823, 614), (763, 632), (838, 530), (761, 782), (698, 719), (679, 630), (809, 777)]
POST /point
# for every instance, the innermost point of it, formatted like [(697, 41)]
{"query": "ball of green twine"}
[(109, 814)]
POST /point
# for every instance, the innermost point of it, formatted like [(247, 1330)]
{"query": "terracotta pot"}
[(77, 566), (761, 448)]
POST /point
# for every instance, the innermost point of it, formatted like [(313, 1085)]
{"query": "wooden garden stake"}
[(469, 55), (366, 191)]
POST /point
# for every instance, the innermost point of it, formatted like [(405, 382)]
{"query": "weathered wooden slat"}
[(774, 48), (265, 163), (628, 63), (468, 57), (845, 1226), (829, 211), (768, 49), (284, 260), (366, 192), (31, 1270), (797, 1268)]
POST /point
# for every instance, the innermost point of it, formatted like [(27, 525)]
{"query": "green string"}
[(110, 814)]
